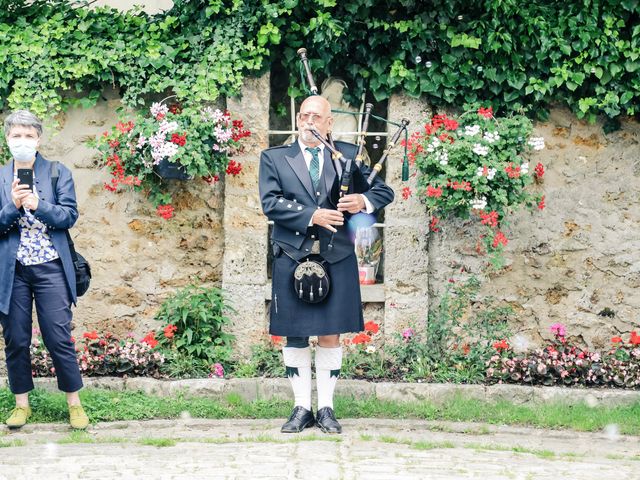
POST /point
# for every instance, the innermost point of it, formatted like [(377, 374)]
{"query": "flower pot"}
[(171, 170)]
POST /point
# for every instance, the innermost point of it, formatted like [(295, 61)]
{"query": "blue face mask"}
[(23, 150)]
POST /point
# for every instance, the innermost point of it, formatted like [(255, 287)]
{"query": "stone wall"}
[(576, 262)]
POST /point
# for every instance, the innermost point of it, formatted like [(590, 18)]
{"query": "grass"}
[(105, 405)]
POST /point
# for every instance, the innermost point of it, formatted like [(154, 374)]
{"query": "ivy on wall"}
[(513, 55)]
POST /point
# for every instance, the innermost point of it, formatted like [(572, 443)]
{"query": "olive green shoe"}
[(18, 417), (77, 418)]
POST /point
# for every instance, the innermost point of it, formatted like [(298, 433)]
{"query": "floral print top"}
[(35, 244)]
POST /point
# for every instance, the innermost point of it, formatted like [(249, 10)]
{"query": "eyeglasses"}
[(314, 117)]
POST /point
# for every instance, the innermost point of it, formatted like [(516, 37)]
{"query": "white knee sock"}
[(328, 364), (298, 364)]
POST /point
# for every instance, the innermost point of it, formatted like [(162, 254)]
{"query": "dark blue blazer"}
[(58, 212), (288, 199)]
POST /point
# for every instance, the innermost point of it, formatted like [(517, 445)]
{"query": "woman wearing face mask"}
[(35, 264)]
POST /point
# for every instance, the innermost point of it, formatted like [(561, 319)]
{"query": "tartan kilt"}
[(340, 312)]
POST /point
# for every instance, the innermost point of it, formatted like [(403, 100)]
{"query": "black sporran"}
[(311, 281)]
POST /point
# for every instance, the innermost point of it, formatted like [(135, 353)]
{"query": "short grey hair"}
[(23, 118)]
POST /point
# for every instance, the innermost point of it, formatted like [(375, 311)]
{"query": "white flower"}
[(167, 127), (371, 349), (524, 168), (480, 149), (435, 143), (480, 171), (159, 109), (491, 173), (491, 137), (479, 203), (443, 157), (471, 131), (536, 142), (141, 141)]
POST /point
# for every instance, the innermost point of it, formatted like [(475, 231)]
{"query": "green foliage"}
[(513, 55), (266, 360), (195, 320), (458, 339)]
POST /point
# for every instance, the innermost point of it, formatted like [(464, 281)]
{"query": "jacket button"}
[(297, 233), (313, 236), (306, 249)]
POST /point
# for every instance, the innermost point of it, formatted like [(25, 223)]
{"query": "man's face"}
[(315, 112)]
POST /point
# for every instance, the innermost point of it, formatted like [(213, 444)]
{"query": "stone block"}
[(272, 388), (517, 394)]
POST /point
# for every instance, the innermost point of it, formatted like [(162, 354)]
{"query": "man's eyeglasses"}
[(314, 117)]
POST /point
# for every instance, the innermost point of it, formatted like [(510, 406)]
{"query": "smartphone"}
[(25, 176)]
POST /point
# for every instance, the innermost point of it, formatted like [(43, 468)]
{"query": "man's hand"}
[(19, 192), (353, 203), (327, 218)]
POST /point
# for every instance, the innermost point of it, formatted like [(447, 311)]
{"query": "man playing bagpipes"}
[(309, 191)]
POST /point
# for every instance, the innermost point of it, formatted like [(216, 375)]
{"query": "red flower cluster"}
[(165, 211), (90, 335), (435, 192), (490, 219), (539, 170), (466, 186), (501, 346), (118, 174), (276, 339), (541, 203), (114, 143), (175, 108), (150, 339), (238, 131), (234, 168), (361, 338), (513, 172), (499, 239), (371, 327), (486, 112), (169, 331), (433, 224), (125, 127), (406, 193), (179, 140)]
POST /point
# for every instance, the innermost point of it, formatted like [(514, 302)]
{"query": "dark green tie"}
[(314, 166)]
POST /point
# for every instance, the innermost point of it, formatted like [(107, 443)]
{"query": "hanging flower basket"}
[(170, 142)]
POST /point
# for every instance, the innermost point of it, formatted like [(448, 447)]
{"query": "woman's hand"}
[(30, 202), (19, 193)]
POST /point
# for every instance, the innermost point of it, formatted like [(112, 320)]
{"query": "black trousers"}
[(46, 284)]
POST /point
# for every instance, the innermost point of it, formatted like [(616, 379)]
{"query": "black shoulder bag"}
[(80, 264)]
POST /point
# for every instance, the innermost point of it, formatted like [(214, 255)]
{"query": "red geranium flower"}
[(371, 327), (150, 339), (501, 345), (361, 338), (435, 192), (499, 239), (539, 170), (490, 219), (541, 203), (486, 112), (234, 168), (169, 331), (90, 335), (616, 340), (433, 224), (406, 193), (165, 211), (635, 339)]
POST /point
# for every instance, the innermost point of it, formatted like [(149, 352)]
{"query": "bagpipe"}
[(351, 172)]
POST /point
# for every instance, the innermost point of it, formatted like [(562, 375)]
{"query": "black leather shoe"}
[(327, 422), (300, 419)]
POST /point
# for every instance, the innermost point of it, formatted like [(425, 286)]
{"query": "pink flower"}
[(218, 371), (407, 333), (559, 329)]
